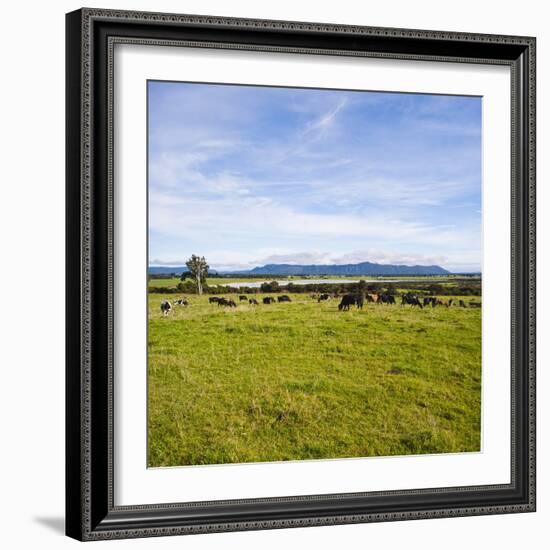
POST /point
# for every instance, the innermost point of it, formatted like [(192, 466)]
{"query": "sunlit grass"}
[(302, 380)]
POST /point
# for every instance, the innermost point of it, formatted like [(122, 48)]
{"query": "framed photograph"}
[(300, 274)]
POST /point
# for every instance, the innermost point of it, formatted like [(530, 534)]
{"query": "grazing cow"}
[(474, 304), (349, 300), (165, 307), (386, 299), (433, 301), (243, 298), (283, 298), (268, 300), (373, 298), (253, 301), (462, 303), (181, 302), (225, 302), (411, 299), (323, 297), (214, 300), (450, 303)]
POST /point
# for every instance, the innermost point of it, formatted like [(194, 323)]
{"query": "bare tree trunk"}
[(199, 285)]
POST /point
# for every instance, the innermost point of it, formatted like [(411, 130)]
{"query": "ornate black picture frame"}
[(90, 509)]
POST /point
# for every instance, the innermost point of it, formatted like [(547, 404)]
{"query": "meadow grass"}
[(301, 380)]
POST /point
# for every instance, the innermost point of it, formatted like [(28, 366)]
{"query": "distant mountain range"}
[(363, 268)]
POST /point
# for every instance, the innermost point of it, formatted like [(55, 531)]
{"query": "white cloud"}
[(263, 216), (297, 258), (384, 257), (326, 120)]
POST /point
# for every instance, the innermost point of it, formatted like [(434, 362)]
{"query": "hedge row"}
[(428, 289)]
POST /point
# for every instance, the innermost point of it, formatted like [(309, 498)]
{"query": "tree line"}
[(273, 287)]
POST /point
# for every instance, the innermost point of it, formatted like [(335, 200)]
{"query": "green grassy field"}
[(301, 380)]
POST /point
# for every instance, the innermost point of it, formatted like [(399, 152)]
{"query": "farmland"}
[(301, 380)]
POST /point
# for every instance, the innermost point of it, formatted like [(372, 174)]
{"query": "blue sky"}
[(249, 175)]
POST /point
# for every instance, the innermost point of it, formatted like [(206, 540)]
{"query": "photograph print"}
[(314, 274)]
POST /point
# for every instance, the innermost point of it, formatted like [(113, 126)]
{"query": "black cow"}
[(386, 299), (429, 300), (253, 301), (165, 307), (268, 300), (462, 303), (323, 297), (411, 299), (225, 302), (283, 298), (214, 300), (243, 298), (351, 299)]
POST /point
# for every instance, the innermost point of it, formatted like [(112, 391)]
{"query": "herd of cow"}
[(406, 299), (251, 301), (347, 300)]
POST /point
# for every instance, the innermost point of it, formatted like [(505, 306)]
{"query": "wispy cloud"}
[(326, 120)]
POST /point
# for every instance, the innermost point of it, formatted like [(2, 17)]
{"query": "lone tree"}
[(198, 269)]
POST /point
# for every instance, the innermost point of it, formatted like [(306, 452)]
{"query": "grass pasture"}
[(301, 380)]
